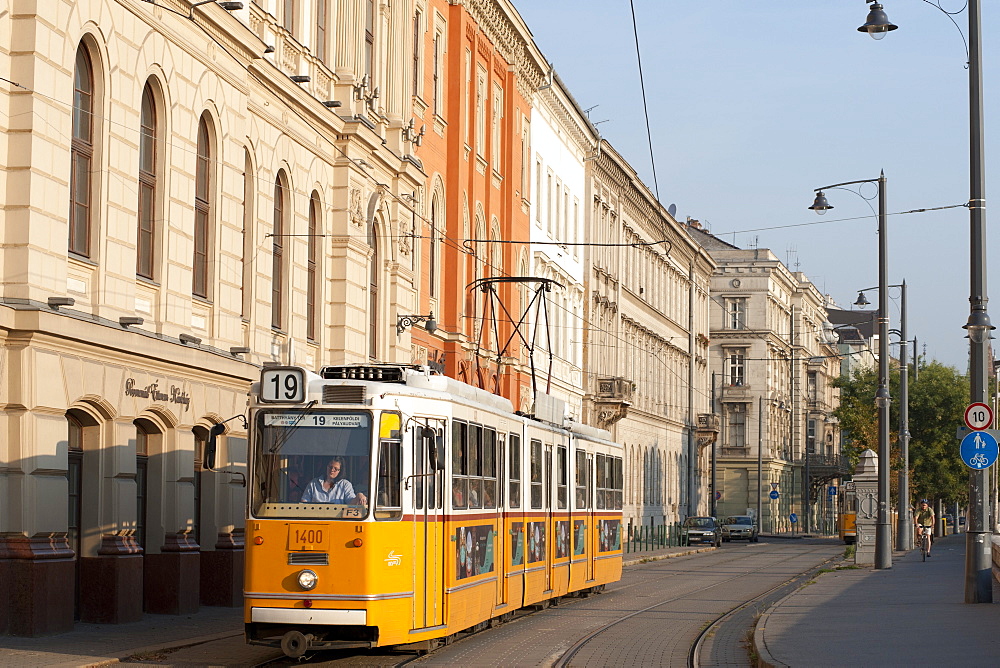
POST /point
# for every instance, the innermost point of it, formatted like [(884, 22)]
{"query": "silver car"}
[(740, 527)]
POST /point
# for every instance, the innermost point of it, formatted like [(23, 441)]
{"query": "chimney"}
[(693, 223)]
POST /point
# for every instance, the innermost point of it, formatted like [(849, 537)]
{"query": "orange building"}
[(475, 68)]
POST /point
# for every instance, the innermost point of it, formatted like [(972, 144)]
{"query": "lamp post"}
[(904, 524), (978, 562), (883, 527)]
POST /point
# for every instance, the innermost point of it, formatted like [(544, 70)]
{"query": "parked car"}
[(701, 530), (740, 527)]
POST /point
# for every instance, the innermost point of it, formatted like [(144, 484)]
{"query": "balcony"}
[(736, 391), (616, 389), (612, 400), (707, 428)]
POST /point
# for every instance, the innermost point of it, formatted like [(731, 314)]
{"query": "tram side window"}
[(459, 465), (390, 476), (514, 448), (618, 482), (562, 477), (489, 461), (475, 450), (536, 473), (419, 466), (582, 495), (601, 484)]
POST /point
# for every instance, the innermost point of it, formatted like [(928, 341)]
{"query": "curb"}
[(667, 555)]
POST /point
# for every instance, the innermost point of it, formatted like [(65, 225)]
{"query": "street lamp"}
[(883, 538), (904, 524), (978, 561)]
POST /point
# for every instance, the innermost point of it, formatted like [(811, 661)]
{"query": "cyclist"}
[(924, 521)]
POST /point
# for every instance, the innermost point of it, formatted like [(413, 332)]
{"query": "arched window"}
[(147, 184), (312, 267), (373, 294), (200, 439), (202, 212), (81, 155), (278, 252), (142, 433)]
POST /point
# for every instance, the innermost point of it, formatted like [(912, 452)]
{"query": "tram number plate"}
[(305, 537)]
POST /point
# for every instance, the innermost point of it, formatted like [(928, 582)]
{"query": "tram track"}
[(765, 599), (569, 654)]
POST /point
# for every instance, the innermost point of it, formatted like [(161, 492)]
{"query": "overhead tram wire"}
[(645, 106)]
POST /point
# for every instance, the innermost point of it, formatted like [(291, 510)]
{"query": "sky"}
[(753, 105)]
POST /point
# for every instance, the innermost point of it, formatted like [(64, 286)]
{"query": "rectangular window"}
[(288, 15), (481, 100), (369, 53), (390, 476), (562, 477), (538, 193), (321, 14), (438, 103), (602, 482), (536, 474), (736, 313), (497, 127), (736, 415), (459, 465), (514, 448), (525, 158), (417, 20), (812, 387), (582, 481), (736, 366), (489, 462)]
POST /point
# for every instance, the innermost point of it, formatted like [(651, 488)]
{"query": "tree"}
[(937, 400)]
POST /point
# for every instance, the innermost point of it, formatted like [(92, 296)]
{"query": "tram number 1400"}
[(305, 537)]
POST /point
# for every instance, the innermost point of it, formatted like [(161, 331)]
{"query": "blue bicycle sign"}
[(979, 450)]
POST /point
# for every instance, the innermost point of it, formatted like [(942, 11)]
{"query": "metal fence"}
[(648, 537)]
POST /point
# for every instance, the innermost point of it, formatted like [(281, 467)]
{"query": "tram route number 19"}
[(284, 385)]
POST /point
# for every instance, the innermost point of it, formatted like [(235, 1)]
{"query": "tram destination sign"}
[(312, 420)]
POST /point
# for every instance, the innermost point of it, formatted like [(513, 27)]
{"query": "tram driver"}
[(332, 488)]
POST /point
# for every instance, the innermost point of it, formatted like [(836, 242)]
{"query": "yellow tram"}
[(847, 515), (458, 510)]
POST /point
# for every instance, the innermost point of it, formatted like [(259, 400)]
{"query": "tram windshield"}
[(312, 464)]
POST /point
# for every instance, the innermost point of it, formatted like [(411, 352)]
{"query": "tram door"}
[(500, 542), (550, 525), (428, 525), (590, 527)]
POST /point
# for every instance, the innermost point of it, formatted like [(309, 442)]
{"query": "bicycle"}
[(924, 540)]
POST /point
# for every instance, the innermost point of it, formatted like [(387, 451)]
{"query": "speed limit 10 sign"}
[(978, 416)]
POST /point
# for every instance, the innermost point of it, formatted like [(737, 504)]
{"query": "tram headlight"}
[(307, 579)]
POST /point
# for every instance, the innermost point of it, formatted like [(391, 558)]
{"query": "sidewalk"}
[(913, 614), (184, 639)]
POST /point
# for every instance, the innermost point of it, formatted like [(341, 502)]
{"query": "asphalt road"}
[(655, 615)]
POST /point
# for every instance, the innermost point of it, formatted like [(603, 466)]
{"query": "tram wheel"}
[(295, 644)]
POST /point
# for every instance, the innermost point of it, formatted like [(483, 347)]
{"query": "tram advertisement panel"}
[(517, 543), (562, 540), (475, 551), (610, 535), (536, 542), (579, 537)]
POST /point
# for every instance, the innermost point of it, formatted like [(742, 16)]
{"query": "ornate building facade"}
[(646, 342), (774, 359)]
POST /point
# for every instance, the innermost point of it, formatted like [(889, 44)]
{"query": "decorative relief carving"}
[(357, 215)]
